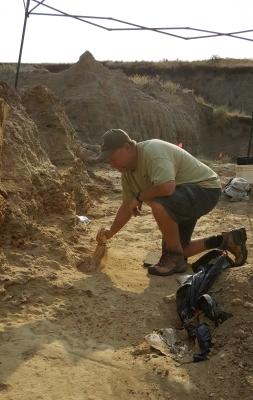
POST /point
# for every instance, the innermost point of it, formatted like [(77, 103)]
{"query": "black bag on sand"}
[(192, 297)]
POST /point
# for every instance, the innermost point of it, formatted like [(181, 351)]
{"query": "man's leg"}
[(173, 260), (234, 241), (190, 247), (195, 246), (179, 206), (181, 211), (168, 227)]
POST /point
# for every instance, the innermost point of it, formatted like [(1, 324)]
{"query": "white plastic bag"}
[(237, 189)]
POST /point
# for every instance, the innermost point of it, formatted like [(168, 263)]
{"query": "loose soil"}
[(70, 334)]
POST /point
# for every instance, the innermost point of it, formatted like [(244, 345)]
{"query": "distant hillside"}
[(225, 82), (222, 82), (98, 96)]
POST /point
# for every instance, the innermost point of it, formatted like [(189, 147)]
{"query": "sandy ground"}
[(75, 335)]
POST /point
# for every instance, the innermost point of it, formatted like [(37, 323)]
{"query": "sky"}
[(63, 40)]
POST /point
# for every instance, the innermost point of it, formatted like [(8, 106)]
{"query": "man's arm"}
[(162, 190), (122, 216), (147, 195)]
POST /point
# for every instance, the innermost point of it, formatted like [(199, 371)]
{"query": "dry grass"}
[(154, 68), (224, 113), (199, 99), (7, 67), (160, 67), (145, 82), (221, 114)]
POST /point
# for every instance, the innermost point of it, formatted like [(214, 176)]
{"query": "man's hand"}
[(103, 235), (135, 207)]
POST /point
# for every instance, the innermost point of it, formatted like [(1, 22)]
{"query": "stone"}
[(247, 304), (240, 334), (236, 302), (249, 379)]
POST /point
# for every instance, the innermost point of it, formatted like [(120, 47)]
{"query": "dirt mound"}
[(38, 154), (59, 140), (96, 99), (55, 130), (44, 180)]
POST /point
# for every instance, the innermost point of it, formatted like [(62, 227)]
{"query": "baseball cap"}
[(113, 139)]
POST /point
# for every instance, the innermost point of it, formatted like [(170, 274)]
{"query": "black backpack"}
[(192, 297)]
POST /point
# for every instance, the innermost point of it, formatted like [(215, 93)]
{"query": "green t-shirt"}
[(159, 162)]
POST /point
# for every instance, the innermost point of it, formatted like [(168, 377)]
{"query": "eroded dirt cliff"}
[(97, 98)]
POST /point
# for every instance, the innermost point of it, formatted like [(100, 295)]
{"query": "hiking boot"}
[(169, 263), (164, 246), (235, 242)]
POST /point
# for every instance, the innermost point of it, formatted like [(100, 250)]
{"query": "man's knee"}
[(156, 207)]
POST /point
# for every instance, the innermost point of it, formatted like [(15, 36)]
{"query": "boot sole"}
[(176, 270), (240, 238)]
